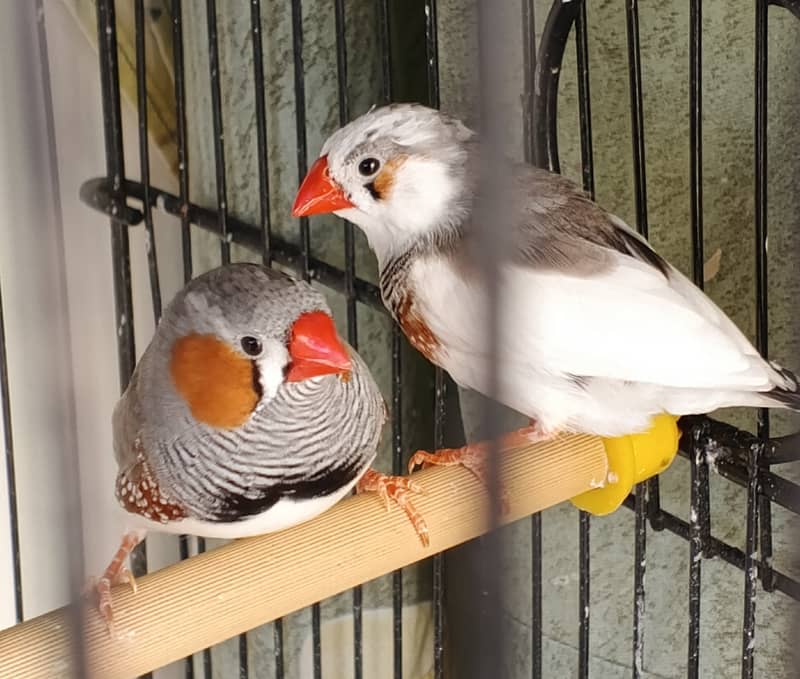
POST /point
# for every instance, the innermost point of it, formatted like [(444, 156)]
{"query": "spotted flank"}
[(138, 492)]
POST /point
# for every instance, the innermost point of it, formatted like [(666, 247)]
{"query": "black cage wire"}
[(749, 460)]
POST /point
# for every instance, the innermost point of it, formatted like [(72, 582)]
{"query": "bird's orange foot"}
[(474, 456), (396, 489), (115, 574)]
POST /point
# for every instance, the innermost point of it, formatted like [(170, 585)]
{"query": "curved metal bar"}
[(791, 5), (560, 20), (97, 193)]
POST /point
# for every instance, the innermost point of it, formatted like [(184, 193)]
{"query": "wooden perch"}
[(216, 595)]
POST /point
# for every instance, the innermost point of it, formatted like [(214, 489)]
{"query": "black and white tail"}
[(787, 394)]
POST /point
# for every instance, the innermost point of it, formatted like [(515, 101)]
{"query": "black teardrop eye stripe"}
[(373, 191), (256, 376)]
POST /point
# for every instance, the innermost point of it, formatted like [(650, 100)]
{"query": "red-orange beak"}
[(315, 348), (318, 193)]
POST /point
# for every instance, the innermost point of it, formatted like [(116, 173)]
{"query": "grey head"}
[(248, 307), (235, 300), (406, 170), (222, 350)]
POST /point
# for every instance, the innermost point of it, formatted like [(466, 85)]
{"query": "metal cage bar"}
[(750, 565), (144, 159), (115, 169), (300, 127), (261, 131), (180, 129), (698, 505), (219, 135), (587, 172), (762, 282)]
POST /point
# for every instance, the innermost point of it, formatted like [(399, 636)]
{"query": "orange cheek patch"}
[(215, 381), (385, 180)]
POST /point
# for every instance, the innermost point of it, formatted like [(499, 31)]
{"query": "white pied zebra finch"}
[(246, 414), (602, 333)]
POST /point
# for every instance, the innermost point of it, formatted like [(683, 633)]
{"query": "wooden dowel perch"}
[(216, 595)]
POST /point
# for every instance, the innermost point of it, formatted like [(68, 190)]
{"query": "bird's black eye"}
[(369, 166), (251, 346)]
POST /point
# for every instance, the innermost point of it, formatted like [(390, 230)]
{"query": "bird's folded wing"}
[(628, 322)]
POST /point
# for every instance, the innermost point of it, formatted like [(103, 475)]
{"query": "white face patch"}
[(424, 153), (271, 365), (420, 195), (418, 199)]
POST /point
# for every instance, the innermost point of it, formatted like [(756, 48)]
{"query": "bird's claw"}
[(126, 576), (117, 573), (395, 489), (99, 591), (104, 604), (472, 457)]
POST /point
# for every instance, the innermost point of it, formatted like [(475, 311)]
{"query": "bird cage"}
[(670, 115)]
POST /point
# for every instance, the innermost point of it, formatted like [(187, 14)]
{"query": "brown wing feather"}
[(560, 227)]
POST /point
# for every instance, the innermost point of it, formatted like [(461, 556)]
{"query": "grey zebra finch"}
[(246, 414)]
